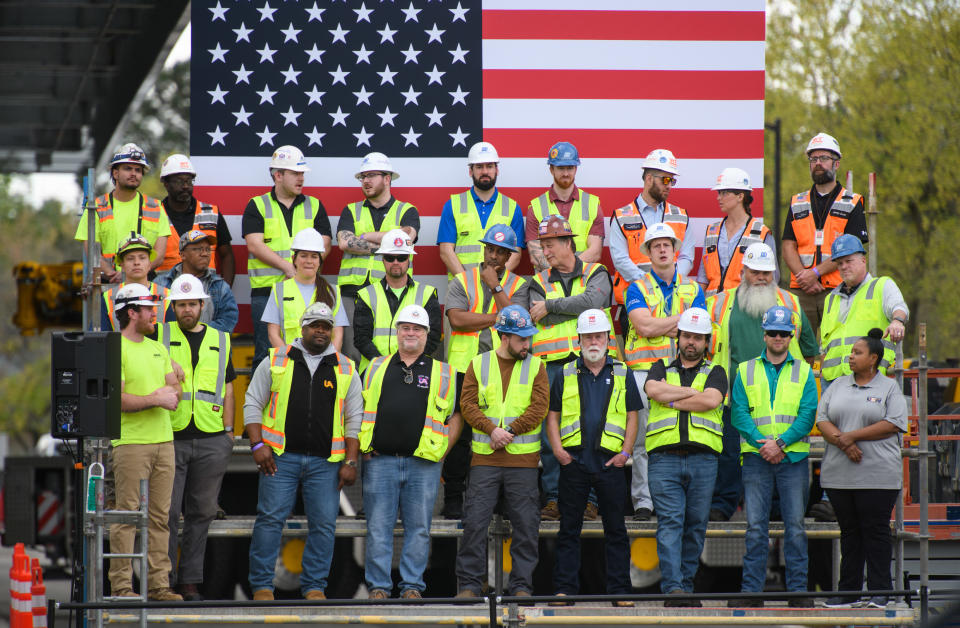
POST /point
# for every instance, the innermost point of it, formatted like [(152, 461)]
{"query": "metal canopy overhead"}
[(71, 69)]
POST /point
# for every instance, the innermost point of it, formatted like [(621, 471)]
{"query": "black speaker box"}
[(85, 385)]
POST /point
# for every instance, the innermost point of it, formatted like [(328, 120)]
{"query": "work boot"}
[(718, 515), (550, 512), (315, 594), (823, 511), (124, 592), (591, 512), (164, 594), (262, 595), (452, 508), (378, 594), (190, 592), (411, 594), (642, 514)]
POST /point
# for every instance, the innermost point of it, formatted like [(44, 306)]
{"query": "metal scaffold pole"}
[(923, 462)]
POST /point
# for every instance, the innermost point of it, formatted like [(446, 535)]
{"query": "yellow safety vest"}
[(204, 388), (504, 409), (663, 424), (384, 321), (468, 247), (356, 270), (615, 424), (290, 304), (865, 313), (155, 290), (148, 223), (465, 345), (275, 412), (774, 419), (641, 352), (434, 437), (277, 236), (583, 213)]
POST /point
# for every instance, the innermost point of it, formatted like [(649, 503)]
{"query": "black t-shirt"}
[(195, 338), (820, 205), (410, 217), (253, 220), (717, 378), (183, 222)]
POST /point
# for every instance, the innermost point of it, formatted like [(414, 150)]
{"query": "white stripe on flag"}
[(549, 113)]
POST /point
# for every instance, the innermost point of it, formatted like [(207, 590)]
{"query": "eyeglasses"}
[(363, 176), (777, 333), (668, 180), (199, 249), (823, 159), (395, 258)]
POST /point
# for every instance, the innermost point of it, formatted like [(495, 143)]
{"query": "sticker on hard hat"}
[(592, 319), (663, 159), (694, 318), (185, 287), (398, 242), (780, 315), (553, 153), (184, 164), (499, 237), (673, 162), (566, 225), (816, 140), (514, 315), (543, 229)]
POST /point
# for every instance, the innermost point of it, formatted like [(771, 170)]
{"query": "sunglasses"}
[(395, 258), (668, 180), (776, 333)]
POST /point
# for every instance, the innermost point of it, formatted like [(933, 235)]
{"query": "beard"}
[(485, 183), (826, 176), (594, 354), (754, 300)]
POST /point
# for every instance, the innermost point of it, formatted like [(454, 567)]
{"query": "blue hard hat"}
[(846, 245), (563, 154), (501, 235), (513, 319), (778, 318)]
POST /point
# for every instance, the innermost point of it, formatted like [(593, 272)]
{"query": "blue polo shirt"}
[(634, 298), (447, 232)]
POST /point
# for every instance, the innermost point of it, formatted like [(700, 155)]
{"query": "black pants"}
[(457, 463), (864, 518)]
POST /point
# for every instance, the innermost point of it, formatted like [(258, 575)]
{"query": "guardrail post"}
[(492, 601), (924, 603), (924, 463)]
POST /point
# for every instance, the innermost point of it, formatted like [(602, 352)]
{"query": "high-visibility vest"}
[(434, 437), (465, 345), (205, 219), (583, 213), (148, 222), (615, 422), (468, 247), (720, 307), (275, 412), (503, 409), (634, 230), (641, 352), (865, 313), (384, 321), (356, 270), (719, 278), (277, 237), (289, 301), (812, 241), (663, 424), (204, 387), (774, 419), (155, 289)]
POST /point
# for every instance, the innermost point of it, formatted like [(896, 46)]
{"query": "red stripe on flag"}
[(625, 84), (626, 25), (630, 144)]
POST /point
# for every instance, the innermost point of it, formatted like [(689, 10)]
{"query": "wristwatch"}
[(780, 443), (497, 290), (510, 430), (350, 463)]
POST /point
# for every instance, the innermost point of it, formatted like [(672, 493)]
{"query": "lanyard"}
[(723, 272)]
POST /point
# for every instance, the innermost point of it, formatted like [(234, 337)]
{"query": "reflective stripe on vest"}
[(583, 212), (631, 225), (465, 345), (865, 313), (718, 277), (615, 421), (504, 408), (277, 237), (641, 352), (291, 306), (812, 241), (197, 400), (148, 222), (356, 270), (384, 321), (772, 420), (663, 424), (155, 289), (205, 219), (468, 248)]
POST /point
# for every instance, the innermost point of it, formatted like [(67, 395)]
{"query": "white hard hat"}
[(134, 294), (377, 162), (186, 286), (662, 159), (177, 164), (733, 179), (396, 242), (414, 314), (483, 153), (822, 141), (656, 231), (130, 153), (695, 320), (317, 311), (759, 256), (591, 321), (308, 240), (289, 158)]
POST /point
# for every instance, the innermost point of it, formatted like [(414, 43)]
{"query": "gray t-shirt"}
[(851, 407), (457, 300), (271, 313)]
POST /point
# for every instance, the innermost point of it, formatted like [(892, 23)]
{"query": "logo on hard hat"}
[(398, 242), (484, 149), (663, 159), (514, 315), (816, 140), (543, 229), (499, 236), (566, 225), (553, 153), (415, 314), (185, 287), (695, 318), (780, 315), (184, 164), (592, 319)]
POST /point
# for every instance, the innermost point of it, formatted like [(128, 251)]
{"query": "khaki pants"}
[(132, 463)]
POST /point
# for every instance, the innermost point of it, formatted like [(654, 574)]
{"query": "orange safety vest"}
[(719, 278), (155, 290), (205, 219), (640, 352), (634, 229), (812, 242), (149, 214)]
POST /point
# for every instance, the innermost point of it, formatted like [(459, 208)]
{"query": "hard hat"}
[(395, 242), (134, 242), (176, 164), (662, 159), (186, 286), (777, 318), (134, 294), (514, 319), (591, 321), (195, 235), (317, 311), (289, 158), (414, 314), (563, 154), (308, 240), (845, 245), (695, 320), (483, 153), (733, 179), (655, 232), (501, 235), (554, 226), (759, 256), (377, 162), (822, 141), (130, 153)]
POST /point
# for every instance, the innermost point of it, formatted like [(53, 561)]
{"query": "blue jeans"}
[(681, 487), (261, 342), (318, 480), (411, 484), (791, 480), (729, 486)]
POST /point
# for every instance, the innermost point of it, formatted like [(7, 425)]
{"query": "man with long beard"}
[(738, 336)]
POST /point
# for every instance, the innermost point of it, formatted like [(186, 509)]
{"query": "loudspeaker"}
[(85, 372)]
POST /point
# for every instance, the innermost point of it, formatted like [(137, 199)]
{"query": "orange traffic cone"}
[(20, 603), (38, 594)]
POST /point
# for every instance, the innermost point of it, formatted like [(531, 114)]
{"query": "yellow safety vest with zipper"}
[(204, 387), (583, 213), (641, 352), (465, 345), (384, 322), (468, 248), (277, 236), (290, 304), (865, 313), (356, 270), (705, 428), (774, 419), (504, 409), (615, 422)]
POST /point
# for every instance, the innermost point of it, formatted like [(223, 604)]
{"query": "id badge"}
[(818, 238)]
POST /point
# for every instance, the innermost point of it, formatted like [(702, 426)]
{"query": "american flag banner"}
[(423, 80)]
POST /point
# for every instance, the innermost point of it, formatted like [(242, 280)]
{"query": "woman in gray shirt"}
[(861, 416)]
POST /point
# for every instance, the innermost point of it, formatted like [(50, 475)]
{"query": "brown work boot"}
[(466, 593), (164, 594), (124, 592), (262, 595), (550, 512), (315, 594), (190, 592), (378, 594), (560, 602), (411, 594), (591, 512)]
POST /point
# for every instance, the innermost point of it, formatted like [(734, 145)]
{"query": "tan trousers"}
[(812, 305), (132, 463)]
